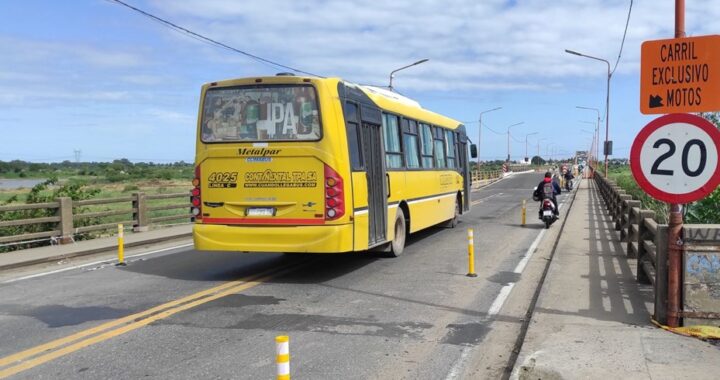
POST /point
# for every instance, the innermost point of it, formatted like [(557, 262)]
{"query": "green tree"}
[(537, 160), (706, 210)]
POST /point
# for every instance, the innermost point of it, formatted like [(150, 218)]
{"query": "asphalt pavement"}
[(550, 304), (180, 313)]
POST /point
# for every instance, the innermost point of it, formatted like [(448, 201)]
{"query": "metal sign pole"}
[(675, 220)]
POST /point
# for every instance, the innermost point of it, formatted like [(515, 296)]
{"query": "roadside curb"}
[(110, 245), (510, 369)]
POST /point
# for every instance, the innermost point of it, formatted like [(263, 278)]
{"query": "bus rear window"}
[(261, 113)]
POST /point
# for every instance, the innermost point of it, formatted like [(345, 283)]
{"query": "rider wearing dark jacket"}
[(568, 177), (553, 190)]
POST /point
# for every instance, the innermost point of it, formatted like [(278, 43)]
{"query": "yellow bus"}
[(296, 164)]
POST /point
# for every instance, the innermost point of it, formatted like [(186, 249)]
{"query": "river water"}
[(9, 184)]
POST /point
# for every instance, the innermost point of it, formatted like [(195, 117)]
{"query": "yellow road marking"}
[(131, 322)]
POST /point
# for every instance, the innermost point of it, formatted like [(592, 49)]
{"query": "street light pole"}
[(392, 73), (548, 152), (526, 144), (480, 132), (592, 144), (597, 132), (607, 103), (508, 138), (538, 146)]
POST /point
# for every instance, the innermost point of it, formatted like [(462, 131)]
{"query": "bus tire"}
[(451, 223), (397, 246)]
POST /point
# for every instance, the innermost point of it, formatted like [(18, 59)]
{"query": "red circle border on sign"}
[(654, 125)]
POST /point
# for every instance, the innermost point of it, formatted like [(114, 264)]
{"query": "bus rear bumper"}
[(316, 239)]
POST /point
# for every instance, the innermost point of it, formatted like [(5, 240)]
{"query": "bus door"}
[(465, 169), (373, 151)]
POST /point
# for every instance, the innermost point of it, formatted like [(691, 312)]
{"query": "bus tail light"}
[(195, 196), (334, 195)]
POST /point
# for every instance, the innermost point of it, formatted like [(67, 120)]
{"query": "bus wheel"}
[(451, 223), (398, 244)]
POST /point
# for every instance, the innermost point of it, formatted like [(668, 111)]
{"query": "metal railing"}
[(70, 218), (484, 175), (646, 239)]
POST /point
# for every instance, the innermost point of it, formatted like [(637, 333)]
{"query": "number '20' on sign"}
[(675, 158), (684, 160)]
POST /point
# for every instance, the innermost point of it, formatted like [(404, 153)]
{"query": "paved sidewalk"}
[(592, 318), (46, 254)]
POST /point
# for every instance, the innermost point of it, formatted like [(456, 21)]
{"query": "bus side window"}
[(391, 134), (410, 144), (353, 137), (426, 143), (439, 142), (450, 146)]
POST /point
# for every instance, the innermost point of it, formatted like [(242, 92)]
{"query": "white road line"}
[(91, 264), (459, 364), (481, 200), (498, 303)]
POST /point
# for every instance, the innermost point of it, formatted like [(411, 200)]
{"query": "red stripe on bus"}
[(261, 221)]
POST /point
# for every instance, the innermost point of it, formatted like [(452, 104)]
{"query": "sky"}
[(96, 78)]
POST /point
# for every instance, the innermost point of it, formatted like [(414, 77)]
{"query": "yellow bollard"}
[(282, 358), (471, 254), (121, 246), (524, 211)]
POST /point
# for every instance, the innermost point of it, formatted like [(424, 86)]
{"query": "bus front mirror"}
[(473, 151)]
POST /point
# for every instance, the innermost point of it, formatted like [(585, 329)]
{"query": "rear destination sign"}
[(680, 75)]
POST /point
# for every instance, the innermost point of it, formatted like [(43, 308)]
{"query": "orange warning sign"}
[(680, 75)]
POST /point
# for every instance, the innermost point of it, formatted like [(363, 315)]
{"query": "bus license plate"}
[(547, 213), (260, 211)]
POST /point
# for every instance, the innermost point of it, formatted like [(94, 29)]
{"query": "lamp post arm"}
[(392, 73)]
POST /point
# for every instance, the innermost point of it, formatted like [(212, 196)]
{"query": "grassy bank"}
[(705, 211), (624, 178)]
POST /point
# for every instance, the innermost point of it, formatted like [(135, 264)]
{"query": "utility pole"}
[(77, 153)]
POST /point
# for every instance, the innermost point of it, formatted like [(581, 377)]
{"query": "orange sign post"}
[(680, 75)]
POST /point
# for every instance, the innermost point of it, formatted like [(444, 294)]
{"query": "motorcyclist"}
[(548, 189), (568, 177)]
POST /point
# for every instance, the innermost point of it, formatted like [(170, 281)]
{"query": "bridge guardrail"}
[(71, 218), (483, 175), (646, 239)]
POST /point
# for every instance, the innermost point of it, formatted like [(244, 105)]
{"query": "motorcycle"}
[(568, 184), (547, 212)]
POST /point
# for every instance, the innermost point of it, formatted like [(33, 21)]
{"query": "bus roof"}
[(394, 102), (384, 98)]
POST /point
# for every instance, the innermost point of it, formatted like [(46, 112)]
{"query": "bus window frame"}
[(439, 135), (408, 129), (358, 136), (401, 152), (421, 127), (265, 85)]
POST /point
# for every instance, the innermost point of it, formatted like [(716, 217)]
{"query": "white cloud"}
[(468, 40)]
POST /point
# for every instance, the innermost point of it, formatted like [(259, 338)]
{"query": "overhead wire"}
[(493, 131), (622, 44), (208, 40)]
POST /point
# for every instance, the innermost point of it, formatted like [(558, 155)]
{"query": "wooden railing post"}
[(622, 210), (140, 213), (626, 234), (65, 212)]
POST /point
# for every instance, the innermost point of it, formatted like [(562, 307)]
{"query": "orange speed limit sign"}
[(680, 75)]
